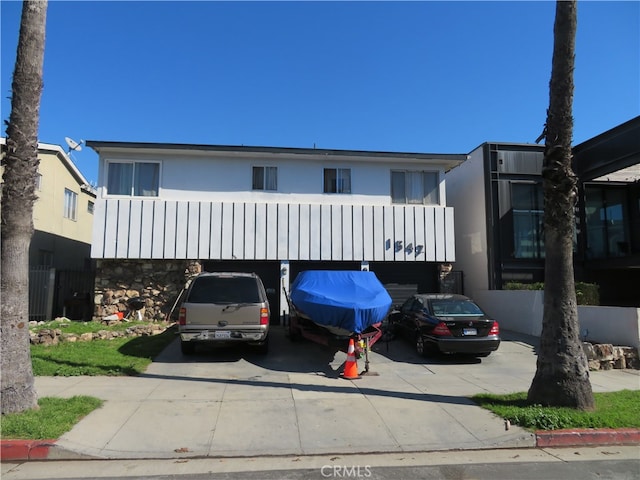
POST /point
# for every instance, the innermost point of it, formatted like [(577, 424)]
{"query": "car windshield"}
[(452, 308), (224, 290)]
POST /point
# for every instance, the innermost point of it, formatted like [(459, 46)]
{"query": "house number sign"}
[(398, 246)]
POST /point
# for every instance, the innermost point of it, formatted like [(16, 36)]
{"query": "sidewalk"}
[(292, 402)]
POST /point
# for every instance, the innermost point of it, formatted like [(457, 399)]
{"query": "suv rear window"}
[(224, 290)]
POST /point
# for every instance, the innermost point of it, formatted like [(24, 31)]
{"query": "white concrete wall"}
[(466, 194), (218, 179), (521, 311)]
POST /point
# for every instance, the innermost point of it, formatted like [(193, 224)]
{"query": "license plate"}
[(469, 331), (222, 334)]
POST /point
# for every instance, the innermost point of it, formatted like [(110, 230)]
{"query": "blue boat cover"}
[(351, 300)]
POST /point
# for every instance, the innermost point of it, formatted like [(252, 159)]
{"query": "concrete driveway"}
[(235, 402)]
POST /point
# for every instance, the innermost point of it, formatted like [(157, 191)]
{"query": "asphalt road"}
[(597, 463)]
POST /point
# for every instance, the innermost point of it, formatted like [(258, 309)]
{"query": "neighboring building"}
[(63, 223), (608, 167), (163, 209), (498, 198)]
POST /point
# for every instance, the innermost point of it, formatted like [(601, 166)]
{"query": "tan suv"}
[(224, 308)]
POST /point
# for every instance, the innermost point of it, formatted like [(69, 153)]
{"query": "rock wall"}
[(603, 356), (158, 283), (54, 336)]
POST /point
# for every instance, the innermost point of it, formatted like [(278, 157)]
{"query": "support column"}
[(285, 284)]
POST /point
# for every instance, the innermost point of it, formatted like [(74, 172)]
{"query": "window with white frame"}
[(337, 180), (265, 178), (138, 179), (90, 207), (70, 204), (410, 187)]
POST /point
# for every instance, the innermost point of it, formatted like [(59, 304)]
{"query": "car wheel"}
[(187, 348)]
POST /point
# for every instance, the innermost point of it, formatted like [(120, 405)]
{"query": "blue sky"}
[(431, 77)]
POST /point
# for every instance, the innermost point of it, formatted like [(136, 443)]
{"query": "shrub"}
[(586, 293)]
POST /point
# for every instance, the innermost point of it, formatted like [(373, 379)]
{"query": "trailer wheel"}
[(294, 333)]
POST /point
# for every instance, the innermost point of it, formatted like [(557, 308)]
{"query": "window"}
[(70, 204), (607, 222), (265, 178), (528, 219), (140, 179), (420, 188), (39, 181), (90, 207), (337, 180)]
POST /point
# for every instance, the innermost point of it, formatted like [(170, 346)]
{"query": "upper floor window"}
[(70, 204), (90, 207), (139, 179), (337, 180), (420, 188), (265, 178)]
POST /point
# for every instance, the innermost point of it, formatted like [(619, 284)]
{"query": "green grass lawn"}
[(119, 356), (55, 417), (613, 410)]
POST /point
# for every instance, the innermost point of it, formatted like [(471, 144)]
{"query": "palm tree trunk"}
[(562, 375), (18, 194)]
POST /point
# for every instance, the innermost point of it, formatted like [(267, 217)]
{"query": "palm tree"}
[(18, 194), (562, 374)]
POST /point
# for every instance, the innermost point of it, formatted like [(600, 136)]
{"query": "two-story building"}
[(60, 251), (163, 209)]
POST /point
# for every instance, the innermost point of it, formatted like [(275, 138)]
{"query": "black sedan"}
[(445, 323)]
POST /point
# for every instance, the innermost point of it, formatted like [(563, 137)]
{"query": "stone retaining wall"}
[(602, 356), (54, 336), (158, 283)]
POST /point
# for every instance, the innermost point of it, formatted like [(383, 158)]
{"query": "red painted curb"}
[(587, 437), (25, 449)]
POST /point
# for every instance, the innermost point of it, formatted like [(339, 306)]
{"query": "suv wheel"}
[(187, 348), (263, 347)]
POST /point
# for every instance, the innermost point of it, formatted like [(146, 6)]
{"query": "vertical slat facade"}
[(259, 231)]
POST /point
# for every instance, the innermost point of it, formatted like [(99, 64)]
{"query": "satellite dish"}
[(73, 145)]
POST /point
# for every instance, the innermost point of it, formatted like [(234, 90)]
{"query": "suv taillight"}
[(182, 317), (442, 330), (495, 329), (264, 316)]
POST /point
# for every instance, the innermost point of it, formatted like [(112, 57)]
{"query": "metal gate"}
[(74, 294), (452, 282), (41, 292), (54, 293)]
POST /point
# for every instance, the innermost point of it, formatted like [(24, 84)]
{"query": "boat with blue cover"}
[(331, 306)]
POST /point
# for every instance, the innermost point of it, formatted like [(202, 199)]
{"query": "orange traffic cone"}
[(351, 366)]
